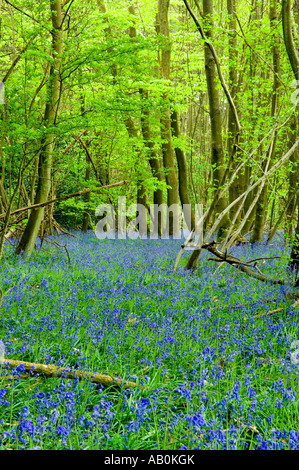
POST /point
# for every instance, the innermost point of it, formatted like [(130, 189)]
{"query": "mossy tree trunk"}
[(31, 231), (215, 114)]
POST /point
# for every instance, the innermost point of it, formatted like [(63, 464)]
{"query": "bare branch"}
[(17, 59), (68, 196), (212, 248)]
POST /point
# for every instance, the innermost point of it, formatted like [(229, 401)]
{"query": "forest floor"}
[(209, 373)]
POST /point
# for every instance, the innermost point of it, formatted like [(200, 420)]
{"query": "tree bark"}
[(183, 171), (86, 215), (294, 61), (262, 204), (153, 158), (167, 149), (237, 186), (30, 234), (215, 115)]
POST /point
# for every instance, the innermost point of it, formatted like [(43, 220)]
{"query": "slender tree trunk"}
[(294, 263), (183, 171), (167, 149), (288, 37), (248, 226), (262, 204), (237, 186), (293, 179), (215, 115), (152, 155), (141, 190), (3, 196), (293, 131), (294, 61), (86, 197), (9, 207), (30, 234), (86, 215)]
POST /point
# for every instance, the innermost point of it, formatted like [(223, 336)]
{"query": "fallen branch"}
[(263, 258), (277, 310), (89, 158), (211, 247), (71, 145), (50, 370), (63, 198), (196, 253), (58, 245)]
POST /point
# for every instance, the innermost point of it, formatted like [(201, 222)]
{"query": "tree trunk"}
[(293, 131), (167, 150), (152, 155), (294, 263), (86, 215), (293, 180), (183, 172), (30, 234), (215, 115), (294, 61), (262, 204), (237, 186)]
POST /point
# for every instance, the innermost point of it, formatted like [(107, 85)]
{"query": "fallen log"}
[(50, 370)]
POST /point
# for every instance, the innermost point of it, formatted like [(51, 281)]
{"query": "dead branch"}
[(264, 257), (59, 245), (63, 198), (272, 312), (252, 186), (17, 59), (50, 370), (89, 157), (212, 248)]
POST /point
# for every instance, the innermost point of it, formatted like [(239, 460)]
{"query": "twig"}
[(26, 14), (264, 257), (258, 270), (218, 267), (17, 59), (60, 246)]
